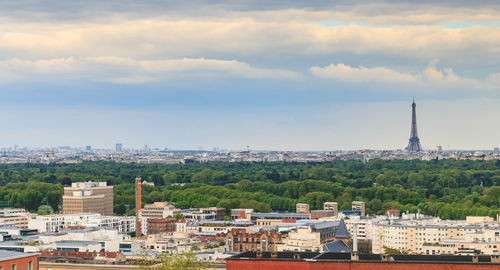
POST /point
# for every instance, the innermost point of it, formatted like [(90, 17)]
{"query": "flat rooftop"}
[(333, 256), (11, 255)]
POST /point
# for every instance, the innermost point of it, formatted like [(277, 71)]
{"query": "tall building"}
[(118, 148), (88, 197), (359, 206), (302, 208), (331, 206), (414, 143)]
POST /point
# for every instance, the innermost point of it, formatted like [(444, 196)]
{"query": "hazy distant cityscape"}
[(67, 154)]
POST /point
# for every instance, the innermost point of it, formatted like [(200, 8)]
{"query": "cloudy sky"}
[(290, 75)]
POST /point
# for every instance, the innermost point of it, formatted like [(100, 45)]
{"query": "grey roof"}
[(223, 222), (279, 215), (336, 246), (75, 243), (342, 231), (10, 255), (326, 224), (262, 228)]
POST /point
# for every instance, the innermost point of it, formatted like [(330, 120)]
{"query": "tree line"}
[(450, 189)]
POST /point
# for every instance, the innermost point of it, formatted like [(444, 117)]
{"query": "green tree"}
[(183, 261), (120, 209)]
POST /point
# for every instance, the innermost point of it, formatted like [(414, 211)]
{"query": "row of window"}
[(14, 266)]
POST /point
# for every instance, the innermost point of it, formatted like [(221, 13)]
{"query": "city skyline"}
[(281, 76)]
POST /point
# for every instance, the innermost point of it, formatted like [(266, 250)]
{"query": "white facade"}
[(56, 223), (364, 226), (420, 235)]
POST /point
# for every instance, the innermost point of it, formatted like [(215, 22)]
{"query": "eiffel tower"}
[(414, 143)]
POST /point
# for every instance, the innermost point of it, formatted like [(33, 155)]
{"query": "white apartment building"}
[(419, 234), (91, 239), (56, 223), (364, 225)]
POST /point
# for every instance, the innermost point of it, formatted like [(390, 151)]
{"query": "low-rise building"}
[(160, 225), (317, 214), (419, 234), (219, 212), (240, 213), (301, 239), (57, 223), (10, 260), (239, 240), (18, 216)]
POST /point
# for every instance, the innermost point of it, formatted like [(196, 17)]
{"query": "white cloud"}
[(429, 76), (127, 70), (245, 38), (362, 74)]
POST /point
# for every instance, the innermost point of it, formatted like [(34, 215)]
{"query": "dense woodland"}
[(450, 189)]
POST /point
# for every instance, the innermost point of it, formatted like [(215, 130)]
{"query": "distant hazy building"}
[(496, 150), (331, 206), (359, 206), (118, 148), (302, 208), (88, 148), (88, 197)]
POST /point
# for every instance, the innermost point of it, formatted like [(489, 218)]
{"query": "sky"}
[(273, 75)]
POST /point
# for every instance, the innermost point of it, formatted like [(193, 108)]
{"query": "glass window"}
[(13, 267), (30, 265)]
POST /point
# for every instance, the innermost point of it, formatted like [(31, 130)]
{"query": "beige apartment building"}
[(360, 206), (88, 197), (331, 206), (18, 216), (302, 208), (301, 239), (158, 210), (430, 235)]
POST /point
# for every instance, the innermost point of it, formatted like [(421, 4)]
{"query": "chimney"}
[(475, 259), (138, 205), (495, 258)]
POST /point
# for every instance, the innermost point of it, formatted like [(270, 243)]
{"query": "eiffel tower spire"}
[(414, 143)]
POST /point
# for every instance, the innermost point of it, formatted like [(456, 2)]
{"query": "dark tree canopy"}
[(451, 189)]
